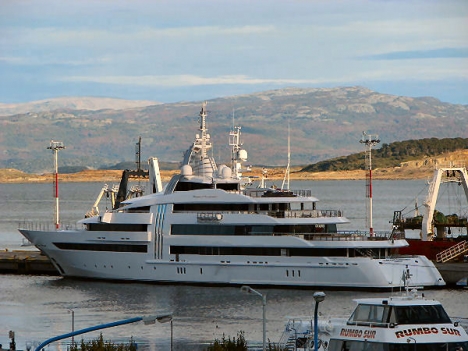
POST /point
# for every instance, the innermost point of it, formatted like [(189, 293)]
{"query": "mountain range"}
[(321, 123)]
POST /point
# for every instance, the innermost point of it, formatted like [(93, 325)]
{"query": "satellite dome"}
[(227, 173), (242, 155), (186, 170)]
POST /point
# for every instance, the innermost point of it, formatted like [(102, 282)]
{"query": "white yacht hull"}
[(333, 272)]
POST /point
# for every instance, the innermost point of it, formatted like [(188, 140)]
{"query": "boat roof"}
[(397, 301), (208, 196)]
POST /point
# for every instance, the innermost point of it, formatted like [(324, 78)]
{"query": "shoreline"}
[(13, 176)]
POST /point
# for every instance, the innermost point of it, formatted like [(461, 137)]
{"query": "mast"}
[(369, 141), (235, 143), (55, 146), (203, 130)]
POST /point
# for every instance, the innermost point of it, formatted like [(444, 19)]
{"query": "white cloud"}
[(53, 36), (413, 69), (182, 80), (36, 61)]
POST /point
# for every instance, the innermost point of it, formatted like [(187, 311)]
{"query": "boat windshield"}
[(420, 314), (382, 315), (340, 345)]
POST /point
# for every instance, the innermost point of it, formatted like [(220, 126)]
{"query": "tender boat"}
[(399, 323), (210, 225)]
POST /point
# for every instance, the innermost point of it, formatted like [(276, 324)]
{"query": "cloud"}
[(52, 36), (421, 54), (411, 69), (183, 80), (36, 61)]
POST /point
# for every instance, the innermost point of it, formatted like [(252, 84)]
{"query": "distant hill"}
[(324, 123), (392, 155), (74, 103)]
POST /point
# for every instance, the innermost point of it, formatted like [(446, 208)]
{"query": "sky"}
[(178, 50)]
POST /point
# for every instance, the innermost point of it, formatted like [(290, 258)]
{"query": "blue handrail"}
[(89, 329)]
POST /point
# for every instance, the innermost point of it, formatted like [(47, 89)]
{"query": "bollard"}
[(11, 335)]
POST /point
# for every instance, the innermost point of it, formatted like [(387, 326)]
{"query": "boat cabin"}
[(399, 324)]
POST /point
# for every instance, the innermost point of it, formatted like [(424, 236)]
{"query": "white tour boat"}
[(400, 323), (209, 225)]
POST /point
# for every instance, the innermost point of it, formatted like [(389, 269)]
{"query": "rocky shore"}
[(417, 169), (15, 176)]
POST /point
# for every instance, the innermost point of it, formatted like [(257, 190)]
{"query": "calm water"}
[(38, 307)]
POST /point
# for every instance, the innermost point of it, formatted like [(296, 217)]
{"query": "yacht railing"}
[(338, 236), (306, 213), (48, 226), (281, 193), (275, 214)]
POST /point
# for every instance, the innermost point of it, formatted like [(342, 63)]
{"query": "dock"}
[(25, 262), (453, 272)]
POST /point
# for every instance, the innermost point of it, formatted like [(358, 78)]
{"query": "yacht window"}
[(187, 186), (228, 186), (117, 227), (255, 251), (211, 207), (102, 247), (144, 209)]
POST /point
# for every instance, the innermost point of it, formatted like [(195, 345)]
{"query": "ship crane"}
[(440, 175)]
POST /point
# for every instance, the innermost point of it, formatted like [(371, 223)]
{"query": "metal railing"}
[(48, 226), (452, 252), (285, 193)]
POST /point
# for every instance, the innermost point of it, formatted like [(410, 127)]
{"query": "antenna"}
[(369, 141), (138, 154), (55, 146)]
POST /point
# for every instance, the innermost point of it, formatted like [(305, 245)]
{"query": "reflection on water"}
[(37, 308)]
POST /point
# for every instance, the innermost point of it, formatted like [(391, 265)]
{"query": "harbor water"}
[(40, 307)]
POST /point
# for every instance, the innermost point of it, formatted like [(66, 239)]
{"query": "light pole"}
[(55, 146), (369, 141), (147, 320), (248, 290), (164, 319), (412, 339), (73, 324), (318, 297)]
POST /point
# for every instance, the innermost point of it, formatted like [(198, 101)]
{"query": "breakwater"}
[(25, 262)]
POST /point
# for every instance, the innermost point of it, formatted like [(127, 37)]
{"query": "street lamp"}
[(147, 320), (73, 324), (318, 297), (248, 290), (161, 319)]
